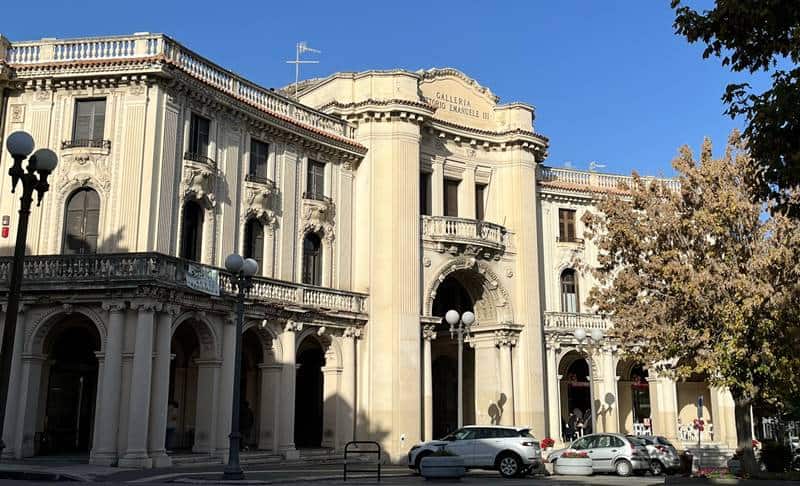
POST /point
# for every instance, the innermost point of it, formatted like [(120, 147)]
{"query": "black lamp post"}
[(243, 270), (20, 144)]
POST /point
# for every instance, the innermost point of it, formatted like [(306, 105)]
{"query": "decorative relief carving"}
[(81, 168), (429, 332), (352, 332), (505, 337), (42, 95), (17, 113), (197, 184), (259, 203), (293, 326), (426, 262), (318, 216), (114, 306)]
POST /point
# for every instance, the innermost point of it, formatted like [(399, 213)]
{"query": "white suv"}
[(510, 450)]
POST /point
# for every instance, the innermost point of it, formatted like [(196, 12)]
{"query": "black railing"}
[(372, 465), (87, 142), (317, 197), (258, 179), (195, 157)]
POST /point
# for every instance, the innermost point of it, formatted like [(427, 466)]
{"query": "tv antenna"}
[(301, 48)]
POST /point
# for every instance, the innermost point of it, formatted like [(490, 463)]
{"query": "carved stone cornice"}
[(114, 306), (146, 306)]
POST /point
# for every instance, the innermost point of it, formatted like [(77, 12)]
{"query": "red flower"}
[(547, 442)]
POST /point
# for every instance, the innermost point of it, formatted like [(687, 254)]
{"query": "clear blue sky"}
[(610, 80)]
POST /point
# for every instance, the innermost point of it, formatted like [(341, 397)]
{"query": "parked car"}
[(510, 450), (610, 453), (663, 455)]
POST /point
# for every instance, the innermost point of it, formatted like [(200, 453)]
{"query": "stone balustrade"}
[(571, 321), (465, 231), (158, 47), (116, 270), (594, 179)]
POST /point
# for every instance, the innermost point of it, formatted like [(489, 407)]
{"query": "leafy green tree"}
[(751, 36), (705, 277)]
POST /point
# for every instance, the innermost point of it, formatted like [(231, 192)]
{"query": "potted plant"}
[(442, 464), (576, 463)]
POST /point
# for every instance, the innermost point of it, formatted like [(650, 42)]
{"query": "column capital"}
[(146, 306), (172, 309), (114, 305), (505, 337), (429, 332), (293, 326), (352, 332)]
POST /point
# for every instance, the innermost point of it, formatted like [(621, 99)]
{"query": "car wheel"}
[(418, 460), (509, 465), (623, 468), (656, 468)]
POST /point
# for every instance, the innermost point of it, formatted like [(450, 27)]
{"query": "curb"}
[(287, 480)]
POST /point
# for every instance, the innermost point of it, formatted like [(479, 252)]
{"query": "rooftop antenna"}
[(593, 166), (301, 48)]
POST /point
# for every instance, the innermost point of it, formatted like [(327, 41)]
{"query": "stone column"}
[(270, 398), (437, 188), (104, 451), (347, 410), (269, 248), (288, 381), (466, 204), (160, 388), (663, 405), (139, 412), (428, 335), (608, 396), (554, 392), (207, 399), (29, 399), (12, 450), (225, 395), (505, 340), (330, 405)]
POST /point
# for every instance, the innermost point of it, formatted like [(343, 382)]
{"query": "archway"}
[(308, 394), (251, 392), (183, 387), (633, 391), (70, 384), (689, 393), (453, 294), (576, 408)]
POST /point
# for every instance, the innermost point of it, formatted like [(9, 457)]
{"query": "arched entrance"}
[(689, 392), (452, 294), (575, 395), (633, 391), (183, 381), (308, 394), (70, 384), (249, 418)]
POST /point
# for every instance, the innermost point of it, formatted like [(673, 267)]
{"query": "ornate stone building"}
[(374, 202)]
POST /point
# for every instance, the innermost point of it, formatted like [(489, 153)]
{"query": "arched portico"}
[(633, 390)]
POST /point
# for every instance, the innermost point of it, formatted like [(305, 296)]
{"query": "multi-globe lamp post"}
[(594, 338), (243, 270), (20, 145), (464, 322)]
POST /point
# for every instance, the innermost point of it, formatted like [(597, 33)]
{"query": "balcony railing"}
[(314, 196), (570, 321), (146, 46), (594, 179), (195, 157), (87, 143), (462, 230), (52, 273)]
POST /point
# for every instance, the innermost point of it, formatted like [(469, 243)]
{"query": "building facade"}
[(374, 202)]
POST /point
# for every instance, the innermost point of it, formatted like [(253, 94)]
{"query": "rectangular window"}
[(199, 129), (259, 153), (90, 120), (315, 181), (566, 225), (480, 201), (425, 193), (451, 197)]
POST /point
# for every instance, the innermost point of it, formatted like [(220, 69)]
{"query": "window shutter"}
[(99, 114)]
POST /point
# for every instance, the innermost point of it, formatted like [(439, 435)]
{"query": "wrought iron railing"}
[(52, 272), (147, 46), (89, 143), (449, 228), (315, 196), (195, 157)]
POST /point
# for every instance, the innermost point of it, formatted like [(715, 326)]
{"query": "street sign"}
[(700, 406)]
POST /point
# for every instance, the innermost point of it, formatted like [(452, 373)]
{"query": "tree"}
[(753, 36), (705, 277)]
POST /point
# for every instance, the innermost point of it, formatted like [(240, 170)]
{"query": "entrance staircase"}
[(309, 456), (710, 454)]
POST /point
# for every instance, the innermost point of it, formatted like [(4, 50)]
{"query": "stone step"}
[(195, 459)]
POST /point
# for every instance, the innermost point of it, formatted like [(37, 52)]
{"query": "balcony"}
[(569, 321), (51, 274), (580, 180), (95, 143), (200, 158), (461, 232), (314, 196)]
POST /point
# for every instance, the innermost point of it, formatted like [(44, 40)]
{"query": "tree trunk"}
[(744, 433)]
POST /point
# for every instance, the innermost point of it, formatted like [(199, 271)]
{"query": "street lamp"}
[(464, 322), (20, 145), (595, 336), (243, 270)]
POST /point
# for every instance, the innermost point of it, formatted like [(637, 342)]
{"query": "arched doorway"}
[(576, 408), (70, 384), (308, 394), (633, 391), (452, 294), (251, 392), (183, 377), (689, 394)]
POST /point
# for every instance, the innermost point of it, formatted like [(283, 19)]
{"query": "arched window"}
[(81, 221), (254, 242), (312, 259), (192, 233), (569, 291)]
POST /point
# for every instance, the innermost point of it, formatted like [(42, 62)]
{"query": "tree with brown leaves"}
[(704, 277)]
